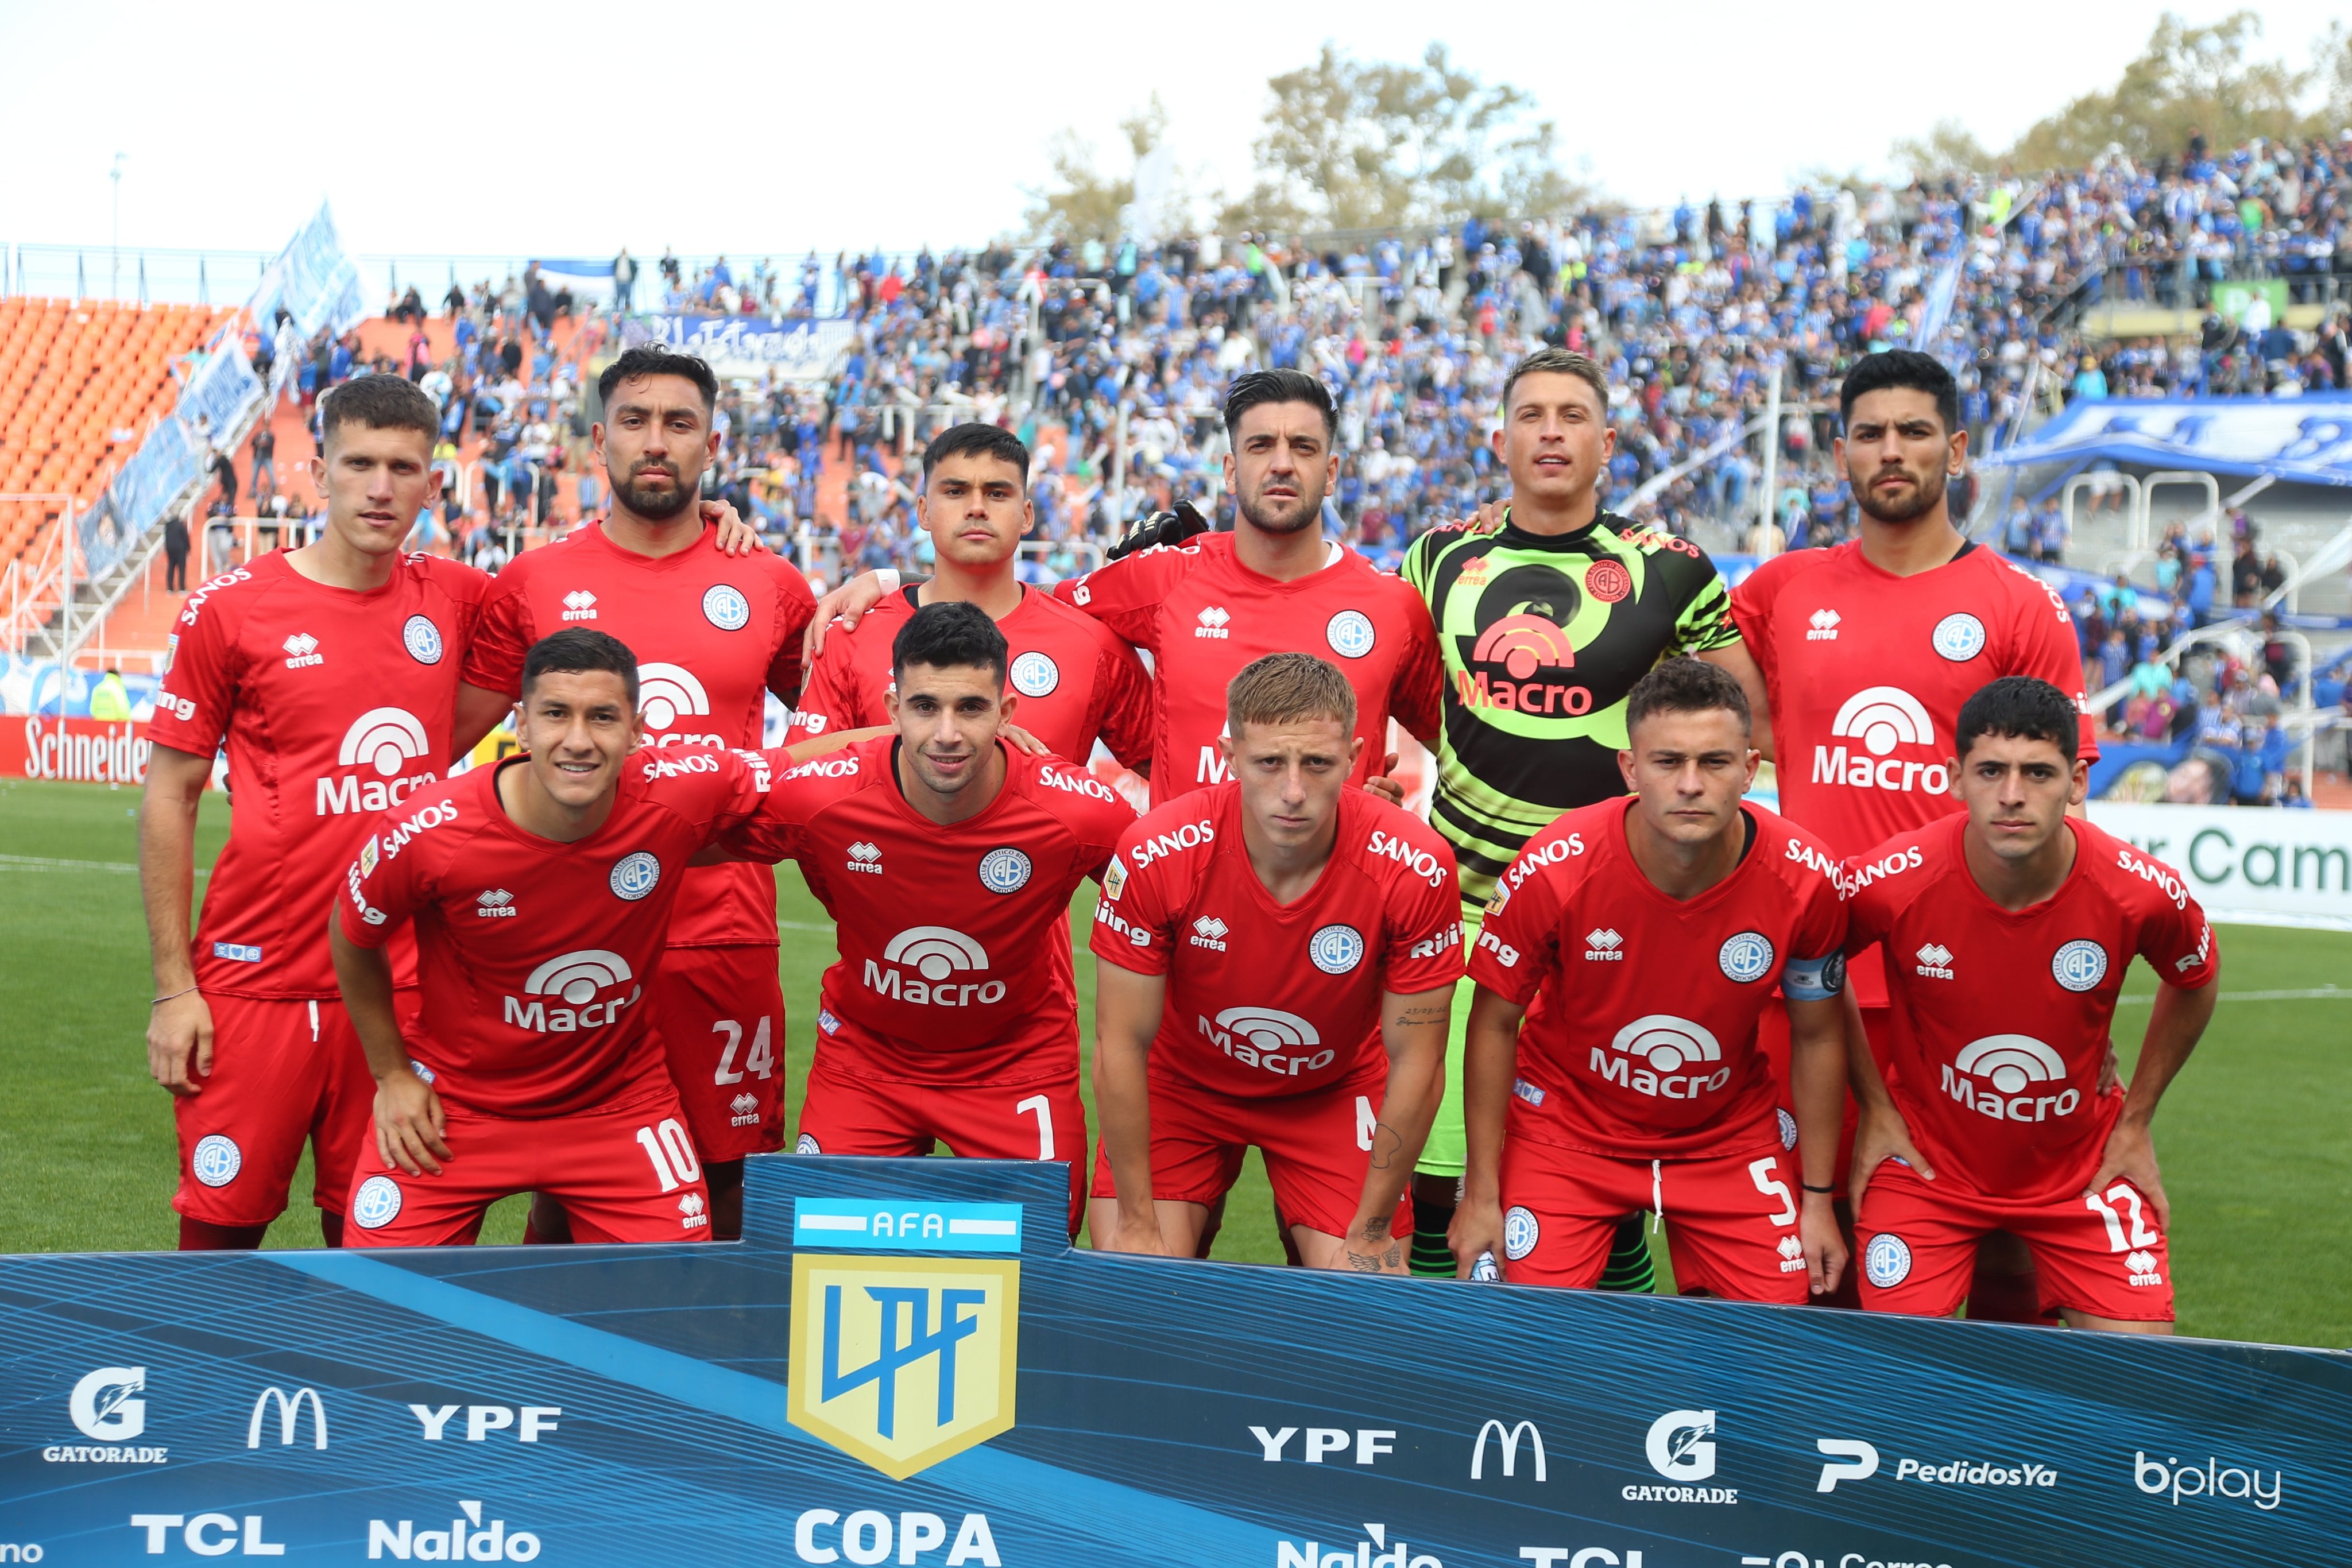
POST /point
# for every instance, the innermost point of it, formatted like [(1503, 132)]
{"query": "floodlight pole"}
[(114, 288), (1771, 464)]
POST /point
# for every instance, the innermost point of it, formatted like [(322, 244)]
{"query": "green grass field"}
[(2256, 1137)]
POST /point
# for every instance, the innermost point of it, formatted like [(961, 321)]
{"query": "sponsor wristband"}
[(175, 997), (887, 576), (1811, 1187)]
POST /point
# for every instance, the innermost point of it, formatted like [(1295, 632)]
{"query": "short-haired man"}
[(1077, 681), (2016, 923), (947, 858), (1273, 585), (1640, 941), (1869, 649), (329, 673), (715, 635), (541, 893), (1278, 954)]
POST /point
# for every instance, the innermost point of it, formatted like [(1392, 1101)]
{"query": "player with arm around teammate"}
[(1277, 956), (1638, 941), (2009, 929)]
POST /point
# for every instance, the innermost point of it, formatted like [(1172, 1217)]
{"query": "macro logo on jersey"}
[(1033, 675), (383, 741), (1879, 719), (1336, 949), (1934, 961), (1823, 626), (1282, 1043), (2079, 966), (1004, 869), (634, 877), (578, 984), (421, 639), (726, 608), (864, 857), (1212, 620), (1209, 931), (1517, 658), (903, 1362), (1959, 637), (1747, 956), (580, 605), (1996, 1077), (302, 652), (1649, 1056), (936, 954), (1603, 947), (1350, 634), (667, 693)]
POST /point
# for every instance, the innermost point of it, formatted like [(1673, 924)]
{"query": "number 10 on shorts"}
[(672, 1154)]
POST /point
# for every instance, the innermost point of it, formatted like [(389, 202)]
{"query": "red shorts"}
[(283, 1074), (722, 1025), (1316, 1145), (627, 1174), (1042, 1119), (1916, 1247), (1731, 1221)]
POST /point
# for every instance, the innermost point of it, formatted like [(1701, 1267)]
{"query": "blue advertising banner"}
[(2307, 439), (808, 1396), (746, 345)]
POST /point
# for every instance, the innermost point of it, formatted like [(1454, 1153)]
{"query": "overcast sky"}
[(568, 128)]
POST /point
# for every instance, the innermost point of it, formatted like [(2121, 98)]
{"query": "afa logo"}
[(903, 1362)]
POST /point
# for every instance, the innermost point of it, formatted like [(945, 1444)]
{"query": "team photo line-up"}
[(1854, 1051)]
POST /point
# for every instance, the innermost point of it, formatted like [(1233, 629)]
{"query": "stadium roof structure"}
[(2300, 440)]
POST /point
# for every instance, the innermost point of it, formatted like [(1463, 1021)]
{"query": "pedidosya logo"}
[(903, 1362)]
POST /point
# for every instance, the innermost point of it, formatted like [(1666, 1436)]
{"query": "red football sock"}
[(202, 1236), (331, 1225), (2006, 1298)]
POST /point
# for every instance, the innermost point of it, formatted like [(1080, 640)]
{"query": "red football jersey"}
[(1077, 681), (712, 634), (1649, 1053), (534, 954), (954, 941), (1202, 615), (2000, 1020), (1266, 999), (335, 705)]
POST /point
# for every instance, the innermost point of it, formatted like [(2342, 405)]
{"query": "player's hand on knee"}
[(851, 600), (1825, 1248), (1383, 785), (736, 537), (1881, 1135), (409, 1124), (180, 1043), (1141, 1235), (1371, 1248), (1477, 1228), (2131, 1156)]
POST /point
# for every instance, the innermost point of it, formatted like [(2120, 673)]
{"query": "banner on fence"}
[(748, 345), (2304, 439), (2264, 867), (82, 750), (312, 281), (903, 1363)]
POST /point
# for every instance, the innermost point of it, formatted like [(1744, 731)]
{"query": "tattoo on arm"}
[(1386, 1141), (1377, 1229)]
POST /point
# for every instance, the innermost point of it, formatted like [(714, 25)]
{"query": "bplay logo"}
[(1213, 621), (866, 1537), (384, 740), (667, 693), (105, 1407), (1603, 947), (1994, 1077), (1367, 1444), (1282, 1043), (1825, 625), (1680, 1446), (1663, 1056), (577, 981), (936, 954), (1880, 719), (1374, 1551), (2235, 1483), (466, 1540)]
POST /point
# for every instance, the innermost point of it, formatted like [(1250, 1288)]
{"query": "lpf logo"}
[(903, 1361)]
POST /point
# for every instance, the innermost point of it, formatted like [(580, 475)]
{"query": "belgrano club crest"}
[(903, 1361)]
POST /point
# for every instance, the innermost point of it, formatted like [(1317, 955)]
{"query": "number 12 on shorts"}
[(672, 1153), (2103, 1204)]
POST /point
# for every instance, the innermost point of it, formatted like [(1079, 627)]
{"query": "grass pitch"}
[(2253, 1135)]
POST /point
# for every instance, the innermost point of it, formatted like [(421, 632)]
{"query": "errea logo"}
[(1934, 961), (1213, 621), (2141, 1266), (1824, 623), (1603, 947), (1792, 1255), (580, 605), (1209, 931), (864, 857), (745, 1109), (302, 652), (494, 904)]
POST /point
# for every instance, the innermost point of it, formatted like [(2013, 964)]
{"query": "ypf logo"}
[(1281, 1043), (1665, 1057), (937, 955), (567, 994), (1996, 1076), (903, 1362)]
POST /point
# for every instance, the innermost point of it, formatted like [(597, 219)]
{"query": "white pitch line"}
[(801, 926), (39, 862), (2320, 993)]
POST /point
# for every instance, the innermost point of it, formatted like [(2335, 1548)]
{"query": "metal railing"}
[(36, 588)]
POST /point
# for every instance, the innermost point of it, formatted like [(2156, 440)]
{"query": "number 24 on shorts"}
[(760, 1062)]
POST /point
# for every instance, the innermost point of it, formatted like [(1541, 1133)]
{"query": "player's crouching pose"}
[(1640, 940), (2008, 930), (1278, 957), (541, 891)]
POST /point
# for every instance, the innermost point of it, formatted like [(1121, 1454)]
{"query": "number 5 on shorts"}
[(1760, 1172), (672, 1153)]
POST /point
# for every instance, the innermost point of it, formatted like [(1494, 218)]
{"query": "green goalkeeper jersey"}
[(1542, 637)]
